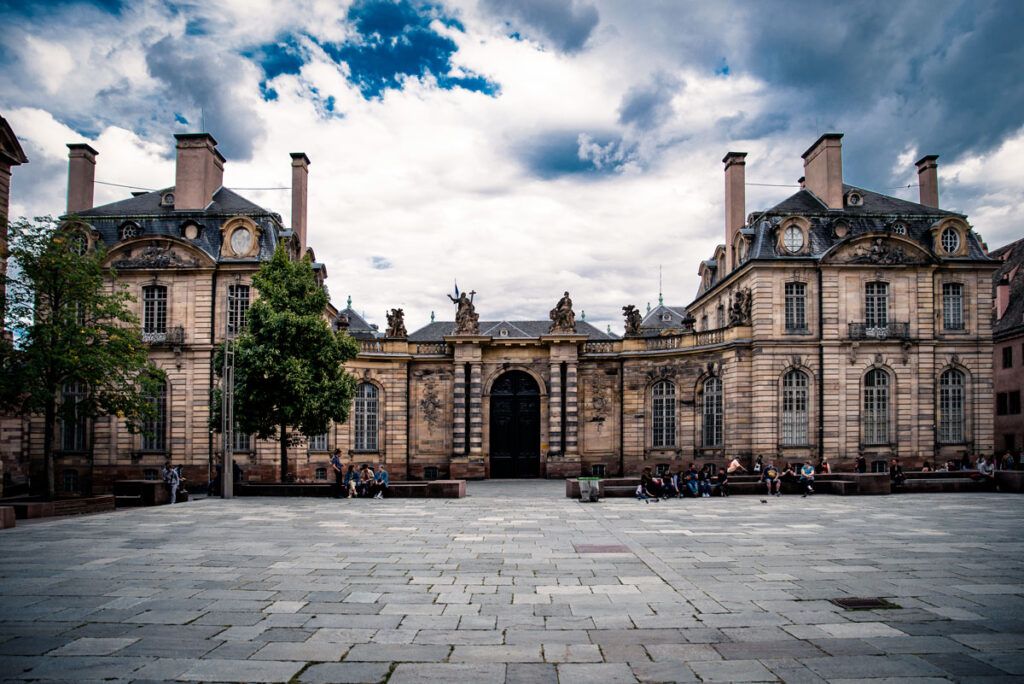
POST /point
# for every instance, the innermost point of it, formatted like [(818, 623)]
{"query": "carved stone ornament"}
[(342, 322), (467, 321), (633, 320), (431, 406), (739, 310), (396, 324), (852, 352), (689, 320), (155, 256), (882, 253), (662, 373), (563, 319)]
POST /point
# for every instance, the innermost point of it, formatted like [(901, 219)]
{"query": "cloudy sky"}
[(522, 147)]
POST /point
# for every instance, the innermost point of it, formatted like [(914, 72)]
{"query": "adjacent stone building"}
[(839, 322), (1008, 348)]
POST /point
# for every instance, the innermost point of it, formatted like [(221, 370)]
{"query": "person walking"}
[(172, 476)]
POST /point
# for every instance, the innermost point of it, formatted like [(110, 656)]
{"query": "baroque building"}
[(837, 323), (1008, 349)]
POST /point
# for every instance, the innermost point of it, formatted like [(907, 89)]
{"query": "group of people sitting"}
[(364, 482), (692, 482)]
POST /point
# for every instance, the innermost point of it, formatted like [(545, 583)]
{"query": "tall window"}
[(72, 427), (951, 407), (794, 408), (365, 417), (712, 412), (876, 305), (240, 441), (876, 407), (664, 414), (1007, 357), (238, 306), (952, 306), (796, 306), (154, 309), (156, 439)]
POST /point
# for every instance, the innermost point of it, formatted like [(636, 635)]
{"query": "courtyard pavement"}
[(516, 583)]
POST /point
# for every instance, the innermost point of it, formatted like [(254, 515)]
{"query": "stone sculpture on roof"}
[(633, 320), (739, 311), (467, 321), (396, 324), (563, 319)]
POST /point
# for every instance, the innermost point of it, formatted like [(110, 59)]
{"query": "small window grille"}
[(150, 474), (661, 469), (430, 473), (899, 228), (321, 474), (879, 466), (70, 478), (597, 470)]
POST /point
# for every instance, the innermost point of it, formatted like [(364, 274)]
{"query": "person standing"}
[(339, 473), (172, 477), (862, 464)]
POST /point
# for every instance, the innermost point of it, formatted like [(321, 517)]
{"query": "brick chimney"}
[(823, 169), (735, 202), (928, 180), (1002, 297), (300, 193), (199, 172), (81, 176)]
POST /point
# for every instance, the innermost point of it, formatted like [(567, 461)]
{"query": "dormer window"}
[(951, 240), (190, 231), (167, 200), (666, 317), (854, 199), (130, 230), (503, 332), (899, 227), (793, 239)]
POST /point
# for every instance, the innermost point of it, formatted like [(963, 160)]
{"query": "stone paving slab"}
[(494, 588)]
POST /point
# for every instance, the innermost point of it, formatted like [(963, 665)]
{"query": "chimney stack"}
[(199, 172), (81, 176), (823, 170), (735, 203), (1002, 297), (928, 180), (300, 193)]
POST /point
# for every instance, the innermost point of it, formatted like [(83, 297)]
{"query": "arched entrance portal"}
[(515, 426)]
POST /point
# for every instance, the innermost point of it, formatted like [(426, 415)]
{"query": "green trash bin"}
[(589, 488)]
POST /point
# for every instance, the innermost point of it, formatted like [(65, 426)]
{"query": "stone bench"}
[(944, 484), (429, 489), (7, 518), (842, 484)]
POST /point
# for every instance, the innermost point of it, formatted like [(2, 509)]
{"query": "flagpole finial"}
[(583, 315), (431, 316), (349, 304)]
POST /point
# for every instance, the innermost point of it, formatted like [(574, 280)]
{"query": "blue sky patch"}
[(557, 153), (282, 57), (380, 263)]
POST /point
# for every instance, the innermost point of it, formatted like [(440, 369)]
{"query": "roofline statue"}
[(633, 320), (396, 324), (467, 321), (563, 319)]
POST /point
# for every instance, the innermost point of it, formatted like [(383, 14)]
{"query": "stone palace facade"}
[(839, 322)]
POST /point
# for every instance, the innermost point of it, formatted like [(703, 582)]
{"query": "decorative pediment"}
[(878, 250), (157, 253)]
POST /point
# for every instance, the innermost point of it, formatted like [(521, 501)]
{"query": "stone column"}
[(459, 402), (571, 410), (476, 413), (555, 410)]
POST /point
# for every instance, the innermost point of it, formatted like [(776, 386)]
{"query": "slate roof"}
[(146, 211), (653, 319), (1012, 256), (358, 327), (526, 330)]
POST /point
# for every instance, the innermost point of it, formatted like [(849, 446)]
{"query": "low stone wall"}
[(432, 489)]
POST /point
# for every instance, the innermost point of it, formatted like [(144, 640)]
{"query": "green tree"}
[(289, 364), (72, 324)]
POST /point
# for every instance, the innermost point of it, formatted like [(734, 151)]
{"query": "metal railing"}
[(171, 335), (891, 330)]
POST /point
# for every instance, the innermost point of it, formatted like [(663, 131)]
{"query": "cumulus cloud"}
[(565, 24)]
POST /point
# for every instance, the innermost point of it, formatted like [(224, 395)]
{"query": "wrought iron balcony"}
[(172, 335), (891, 330)]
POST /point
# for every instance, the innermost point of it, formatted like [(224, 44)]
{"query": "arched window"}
[(876, 407), (154, 436), (365, 418), (72, 426), (712, 412), (951, 407), (794, 408), (663, 410)]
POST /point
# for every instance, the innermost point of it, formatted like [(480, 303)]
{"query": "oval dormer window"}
[(854, 199), (666, 317), (793, 239), (503, 332), (130, 230), (900, 228), (168, 199), (951, 240)]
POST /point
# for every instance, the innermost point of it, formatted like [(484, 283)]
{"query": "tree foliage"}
[(289, 364), (72, 323)]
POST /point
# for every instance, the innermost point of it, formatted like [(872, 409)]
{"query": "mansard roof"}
[(527, 330), (654, 318), (357, 325), (154, 218), (1012, 268)]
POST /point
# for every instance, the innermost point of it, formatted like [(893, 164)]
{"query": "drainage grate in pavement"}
[(600, 548), (862, 603)]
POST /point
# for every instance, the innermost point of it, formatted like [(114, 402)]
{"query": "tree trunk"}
[(49, 422), (284, 453)]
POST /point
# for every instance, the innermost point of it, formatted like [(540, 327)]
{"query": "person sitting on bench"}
[(704, 481), (722, 486), (896, 476), (807, 478), (690, 480), (771, 479)]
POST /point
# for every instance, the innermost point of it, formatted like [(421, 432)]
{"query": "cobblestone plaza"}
[(516, 583)]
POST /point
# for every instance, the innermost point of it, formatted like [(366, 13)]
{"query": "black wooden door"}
[(515, 426)]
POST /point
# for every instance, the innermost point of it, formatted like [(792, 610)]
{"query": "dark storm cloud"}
[(650, 104), (394, 40), (199, 74), (566, 24)]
